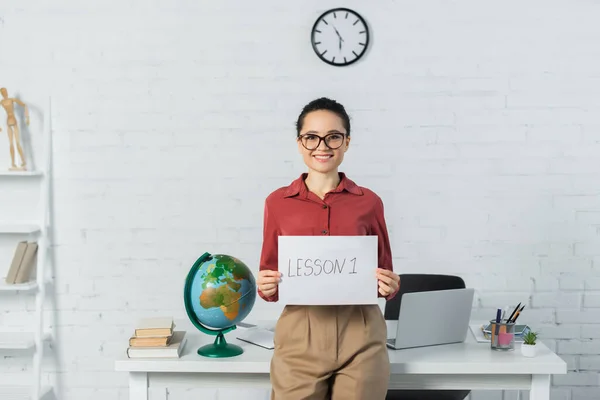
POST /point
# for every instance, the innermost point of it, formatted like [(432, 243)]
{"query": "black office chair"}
[(410, 283)]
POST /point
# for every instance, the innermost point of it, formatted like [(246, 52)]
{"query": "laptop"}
[(433, 318), (261, 336)]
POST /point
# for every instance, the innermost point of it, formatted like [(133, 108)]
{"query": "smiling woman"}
[(323, 134), (344, 345)]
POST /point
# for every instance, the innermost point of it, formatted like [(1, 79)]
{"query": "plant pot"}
[(528, 350)]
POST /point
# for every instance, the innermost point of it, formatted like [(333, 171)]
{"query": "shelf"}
[(20, 173), (18, 341), (18, 287), (21, 392), (18, 228)]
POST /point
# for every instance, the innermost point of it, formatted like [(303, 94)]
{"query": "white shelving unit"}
[(18, 287), (21, 393), (21, 173), (16, 227), (18, 340), (34, 229)]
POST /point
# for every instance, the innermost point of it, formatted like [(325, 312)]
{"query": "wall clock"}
[(340, 37)]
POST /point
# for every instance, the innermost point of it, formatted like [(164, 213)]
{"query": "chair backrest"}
[(410, 283)]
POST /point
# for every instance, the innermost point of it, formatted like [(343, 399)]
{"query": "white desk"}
[(468, 365)]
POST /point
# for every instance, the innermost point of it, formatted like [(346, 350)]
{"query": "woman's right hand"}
[(268, 281)]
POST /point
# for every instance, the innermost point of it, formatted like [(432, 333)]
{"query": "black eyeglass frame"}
[(345, 135)]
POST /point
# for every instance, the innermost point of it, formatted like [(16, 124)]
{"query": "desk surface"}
[(469, 357)]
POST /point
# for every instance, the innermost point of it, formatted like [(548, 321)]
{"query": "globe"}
[(220, 291)]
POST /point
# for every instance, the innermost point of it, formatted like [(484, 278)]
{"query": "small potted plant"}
[(529, 346)]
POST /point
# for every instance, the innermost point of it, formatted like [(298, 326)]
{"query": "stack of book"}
[(23, 263), (156, 337)]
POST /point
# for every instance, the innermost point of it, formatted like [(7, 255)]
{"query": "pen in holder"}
[(503, 335)]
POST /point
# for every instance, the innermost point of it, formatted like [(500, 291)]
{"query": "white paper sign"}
[(327, 270)]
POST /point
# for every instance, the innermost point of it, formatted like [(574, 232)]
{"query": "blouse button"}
[(324, 231), (324, 205)]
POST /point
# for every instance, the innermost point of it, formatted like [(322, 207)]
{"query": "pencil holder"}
[(503, 335)]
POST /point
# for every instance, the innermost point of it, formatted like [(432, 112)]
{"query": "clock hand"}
[(341, 39), (340, 36)]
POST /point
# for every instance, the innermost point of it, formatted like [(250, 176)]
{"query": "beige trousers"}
[(330, 352)]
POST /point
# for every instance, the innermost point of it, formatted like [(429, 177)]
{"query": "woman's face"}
[(328, 125)]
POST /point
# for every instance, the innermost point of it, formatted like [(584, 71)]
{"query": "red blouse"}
[(349, 210)]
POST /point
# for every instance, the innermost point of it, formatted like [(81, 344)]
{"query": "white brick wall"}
[(478, 124)]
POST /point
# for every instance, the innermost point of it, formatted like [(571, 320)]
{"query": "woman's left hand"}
[(388, 281)]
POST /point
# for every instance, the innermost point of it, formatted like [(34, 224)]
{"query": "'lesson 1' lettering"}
[(316, 267)]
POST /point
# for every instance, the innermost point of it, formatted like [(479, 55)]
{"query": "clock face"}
[(340, 37)]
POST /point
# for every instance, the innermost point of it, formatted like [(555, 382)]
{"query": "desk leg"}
[(540, 387), (138, 386)]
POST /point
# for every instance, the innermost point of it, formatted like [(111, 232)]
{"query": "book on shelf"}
[(155, 327), (23, 263), (172, 350)]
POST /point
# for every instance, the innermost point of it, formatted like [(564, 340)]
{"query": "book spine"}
[(27, 264), (15, 266)]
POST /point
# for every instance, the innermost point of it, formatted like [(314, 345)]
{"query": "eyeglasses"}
[(311, 141)]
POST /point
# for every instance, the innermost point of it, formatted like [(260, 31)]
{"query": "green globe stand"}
[(220, 348)]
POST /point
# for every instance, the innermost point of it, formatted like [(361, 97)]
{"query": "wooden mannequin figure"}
[(14, 136)]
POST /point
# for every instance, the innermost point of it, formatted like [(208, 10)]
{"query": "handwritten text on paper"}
[(328, 270)]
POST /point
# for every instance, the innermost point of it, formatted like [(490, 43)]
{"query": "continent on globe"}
[(222, 297), (225, 269), (219, 285)]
